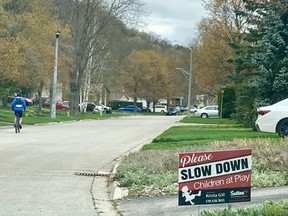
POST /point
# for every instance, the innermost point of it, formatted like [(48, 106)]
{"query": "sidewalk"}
[(168, 205)]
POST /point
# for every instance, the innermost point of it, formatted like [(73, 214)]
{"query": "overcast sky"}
[(174, 19)]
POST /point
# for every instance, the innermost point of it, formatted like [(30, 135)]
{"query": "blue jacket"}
[(18, 106)]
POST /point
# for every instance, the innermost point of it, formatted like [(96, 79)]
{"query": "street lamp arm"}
[(184, 71), (179, 42)]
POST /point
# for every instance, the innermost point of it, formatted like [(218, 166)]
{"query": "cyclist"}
[(18, 106)]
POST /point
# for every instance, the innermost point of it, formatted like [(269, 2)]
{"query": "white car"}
[(208, 111), (159, 108), (273, 118), (103, 108), (193, 109)]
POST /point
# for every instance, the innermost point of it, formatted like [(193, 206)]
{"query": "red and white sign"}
[(213, 170)]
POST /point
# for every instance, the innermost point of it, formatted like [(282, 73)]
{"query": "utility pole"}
[(54, 84), (190, 83), (189, 79)]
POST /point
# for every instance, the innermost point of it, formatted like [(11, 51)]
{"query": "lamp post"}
[(189, 79), (190, 83), (54, 84), (222, 90)]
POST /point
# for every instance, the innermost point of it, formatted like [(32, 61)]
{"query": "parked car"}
[(59, 104), (273, 118), (208, 111), (159, 108), (103, 108), (130, 108), (37, 100), (182, 109), (193, 109), (173, 111), (89, 106)]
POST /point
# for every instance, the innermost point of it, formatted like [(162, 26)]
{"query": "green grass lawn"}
[(180, 136), (32, 117), (217, 121)]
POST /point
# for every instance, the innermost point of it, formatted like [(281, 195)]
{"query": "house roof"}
[(119, 96)]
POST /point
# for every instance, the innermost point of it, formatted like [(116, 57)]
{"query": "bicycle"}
[(17, 124)]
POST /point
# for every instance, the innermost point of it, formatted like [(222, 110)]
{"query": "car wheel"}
[(204, 115), (282, 128)]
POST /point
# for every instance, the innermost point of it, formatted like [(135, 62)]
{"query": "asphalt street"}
[(60, 169)]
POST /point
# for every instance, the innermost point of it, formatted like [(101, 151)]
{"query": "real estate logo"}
[(214, 177)]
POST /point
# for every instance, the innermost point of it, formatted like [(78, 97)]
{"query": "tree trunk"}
[(39, 95), (74, 95)]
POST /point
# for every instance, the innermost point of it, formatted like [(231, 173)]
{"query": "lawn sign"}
[(214, 177)]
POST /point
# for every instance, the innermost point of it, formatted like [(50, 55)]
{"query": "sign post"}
[(214, 177), (222, 89)]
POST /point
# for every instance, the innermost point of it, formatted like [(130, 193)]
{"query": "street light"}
[(184, 72), (190, 83), (54, 84), (189, 79)]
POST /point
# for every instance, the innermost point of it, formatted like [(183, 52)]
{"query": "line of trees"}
[(26, 39), (95, 47), (243, 44)]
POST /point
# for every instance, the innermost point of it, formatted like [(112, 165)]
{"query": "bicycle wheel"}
[(17, 127)]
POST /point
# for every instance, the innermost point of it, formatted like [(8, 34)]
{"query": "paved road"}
[(38, 166)]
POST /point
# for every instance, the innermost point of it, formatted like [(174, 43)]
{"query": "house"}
[(120, 97), (123, 97)]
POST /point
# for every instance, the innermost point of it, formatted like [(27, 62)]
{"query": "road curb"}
[(118, 192)]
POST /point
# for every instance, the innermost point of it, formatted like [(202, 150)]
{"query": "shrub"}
[(268, 154)]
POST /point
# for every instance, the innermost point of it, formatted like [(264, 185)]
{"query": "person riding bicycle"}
[(18, 106)]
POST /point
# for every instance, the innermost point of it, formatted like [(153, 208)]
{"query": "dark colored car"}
[(172, 111), (181, 108), (90, 107), (130, 108)]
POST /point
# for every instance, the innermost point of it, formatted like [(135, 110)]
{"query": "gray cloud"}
[(174, 19)]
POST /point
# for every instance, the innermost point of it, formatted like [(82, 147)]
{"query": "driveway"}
[(168, 205), (54, 169)]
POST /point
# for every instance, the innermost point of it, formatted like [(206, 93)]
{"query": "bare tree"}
[(88, 19)]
